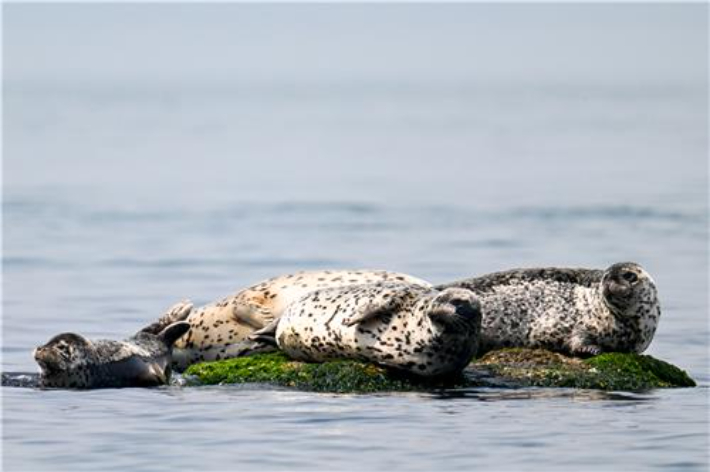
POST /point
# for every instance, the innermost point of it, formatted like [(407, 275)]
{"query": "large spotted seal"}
[(577, 311), (69, 360), (220, 330), (407, 327)]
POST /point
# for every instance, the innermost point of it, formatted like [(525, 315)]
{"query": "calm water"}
[(119, 202)]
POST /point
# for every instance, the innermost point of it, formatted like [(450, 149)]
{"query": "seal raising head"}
[(406, 327), (578, 311), (69, 360)]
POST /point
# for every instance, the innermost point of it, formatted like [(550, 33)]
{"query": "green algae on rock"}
[(514, 368), (342, 376), (610, 371), (647, 371)]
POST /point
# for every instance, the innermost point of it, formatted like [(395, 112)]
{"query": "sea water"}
[(121, 198)]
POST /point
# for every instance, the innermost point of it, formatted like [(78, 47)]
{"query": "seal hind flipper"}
[(171, 334), (178, 312), (266, 335)]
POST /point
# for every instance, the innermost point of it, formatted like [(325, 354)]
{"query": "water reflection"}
[(504, 394), (179, 384)]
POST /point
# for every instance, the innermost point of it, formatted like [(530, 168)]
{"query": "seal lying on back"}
[(220, 330), (407, 327), (69, 360), (577, 311)]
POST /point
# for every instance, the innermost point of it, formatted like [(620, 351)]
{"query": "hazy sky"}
[(456, 42)]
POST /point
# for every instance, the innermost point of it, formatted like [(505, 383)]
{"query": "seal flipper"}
[(266, 335), (253, 315), (374, 309), (173, 332), (580, 345), (178, 312), (130, 372)]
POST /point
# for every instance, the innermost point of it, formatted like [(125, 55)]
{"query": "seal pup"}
[(69, 360), (221, 330), (582, 312), (410, 328)]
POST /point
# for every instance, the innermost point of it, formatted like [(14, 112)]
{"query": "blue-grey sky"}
[(177, 43)]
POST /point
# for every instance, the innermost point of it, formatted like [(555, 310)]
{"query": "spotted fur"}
[(411, 328), (70, 360), (220, 330), (577, 311)]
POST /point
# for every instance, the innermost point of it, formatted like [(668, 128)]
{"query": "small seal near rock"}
[(582, 312), (220, 330), (407, 327), (69, 360)]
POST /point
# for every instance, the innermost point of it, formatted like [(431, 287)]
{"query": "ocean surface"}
[(120, 200)]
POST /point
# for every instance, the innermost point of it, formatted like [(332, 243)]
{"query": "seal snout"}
[(42, 353), (619, 289), (468, 308), (457, 302), (38, 354), (46, 358)]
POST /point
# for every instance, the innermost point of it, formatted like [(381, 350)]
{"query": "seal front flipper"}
[(588, 351), (253, 315), (132, 372), (373, 309), (580, 346)]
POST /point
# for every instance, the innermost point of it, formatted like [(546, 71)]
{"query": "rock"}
[(341, 376), (610, 371), (510, 368)]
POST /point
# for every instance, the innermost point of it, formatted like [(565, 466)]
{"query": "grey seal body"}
[(577, 311), (69, 360), (407, 327)]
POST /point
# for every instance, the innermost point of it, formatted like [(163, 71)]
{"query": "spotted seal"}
[(69, 360), (581, 312), (220, 330), (411, 328)]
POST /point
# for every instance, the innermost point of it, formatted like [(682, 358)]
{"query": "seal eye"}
[(629, 277), (457, 302)]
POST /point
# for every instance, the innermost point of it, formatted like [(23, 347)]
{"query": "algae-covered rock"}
[(341, 376), (513, 368), (611, 371)]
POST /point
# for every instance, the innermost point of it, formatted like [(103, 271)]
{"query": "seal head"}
[(454, 307), (63, 353), (624, 286), (630, 295)]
